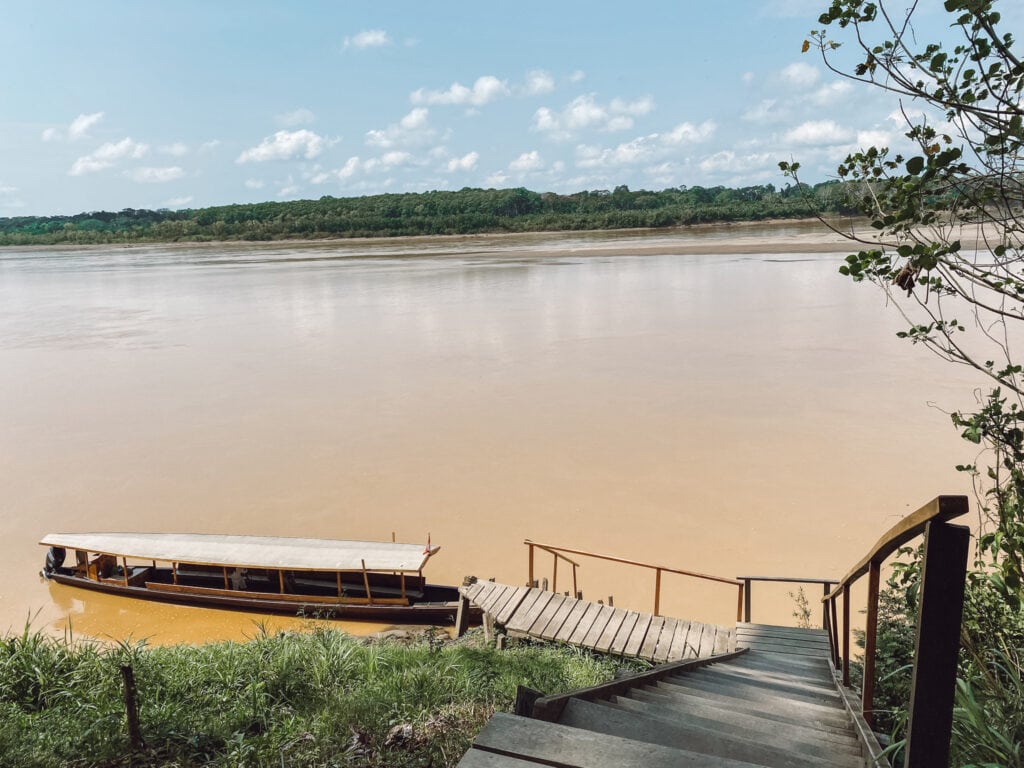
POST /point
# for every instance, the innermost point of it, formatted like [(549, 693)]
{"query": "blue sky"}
[(108, 105)]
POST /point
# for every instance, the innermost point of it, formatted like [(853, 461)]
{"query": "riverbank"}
[(313, 698), (772, 236)]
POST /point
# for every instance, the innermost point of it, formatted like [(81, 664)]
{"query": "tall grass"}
[(316, 698)]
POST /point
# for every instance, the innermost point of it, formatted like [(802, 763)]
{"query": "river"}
[(719, 401)]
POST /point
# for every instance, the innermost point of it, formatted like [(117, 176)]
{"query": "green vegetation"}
[(316, 698), (467, 211), (962, 292)]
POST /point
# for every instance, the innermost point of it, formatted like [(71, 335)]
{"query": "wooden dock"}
[(551, 616), (773, 704)]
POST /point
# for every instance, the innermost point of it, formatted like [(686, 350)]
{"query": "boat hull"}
[(425, 612)]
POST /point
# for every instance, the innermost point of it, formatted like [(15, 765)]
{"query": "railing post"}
[(835, 632), (739, 604), (554, 575), (870, 637), (937, 645), (529, 580), (824, 607), (746, 600), (846, 635), (657, 590)]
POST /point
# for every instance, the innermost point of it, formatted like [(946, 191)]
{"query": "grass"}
[(315, 698)]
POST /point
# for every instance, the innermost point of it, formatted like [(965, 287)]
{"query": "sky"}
[(110, 105)]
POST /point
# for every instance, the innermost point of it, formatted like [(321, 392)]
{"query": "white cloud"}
[(296, 117), (284, 145), (578, 76), (688, 133), (764, 112), (876, 138), (465, 163), (290, 188), (485, 90), (79, 128), (209, 146), (800, 74), (254, 183), (179, 202), (644, 149), (818, 133), (747, 78), (728, 161), (538, 81), (528, 161), (107, 155), (355, 165), (831, 93), (413, 129), (80, 125), (178, 149), (155, 175), (368, 38), (585, 112), (496, 179)]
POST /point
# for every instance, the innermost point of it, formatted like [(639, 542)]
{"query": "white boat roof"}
[(270, 552)]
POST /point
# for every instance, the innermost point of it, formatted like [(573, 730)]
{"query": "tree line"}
[(467, 211)]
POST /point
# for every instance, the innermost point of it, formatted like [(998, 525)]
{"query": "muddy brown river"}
[(718, 400)]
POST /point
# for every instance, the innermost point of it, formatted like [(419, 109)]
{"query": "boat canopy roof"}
[(250, 551)]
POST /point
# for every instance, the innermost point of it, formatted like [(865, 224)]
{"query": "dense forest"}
[(467, 211)]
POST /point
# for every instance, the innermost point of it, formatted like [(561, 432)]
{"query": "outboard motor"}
[(54, 560)]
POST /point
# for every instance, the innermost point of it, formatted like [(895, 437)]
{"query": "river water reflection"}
[(730, 413)]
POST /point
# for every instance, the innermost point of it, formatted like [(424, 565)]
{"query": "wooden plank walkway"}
[(774, 705), (552, 616)]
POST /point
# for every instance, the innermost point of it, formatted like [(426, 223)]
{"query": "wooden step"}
[(681, 735), (553, 744), (752, 694), (690, 697), (791, 689), (712, 718)]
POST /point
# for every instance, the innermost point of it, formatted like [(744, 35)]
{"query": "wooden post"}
[(280, 580), (529, 580), (746, 600), (341, 593), (488, 624), (124, 569), (846, 635), (827, 625), (870, 637), (611, 601), (524, 700), (833, 614), (657, 591), (824, 607), (937, 646), (131, 706), (366, 583), (462, 616), (574, 590), (174, 573), (225, 569), (544, 583), (739, 604), (554, 575)]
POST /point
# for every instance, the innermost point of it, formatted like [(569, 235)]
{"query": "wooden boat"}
[(382, 581)]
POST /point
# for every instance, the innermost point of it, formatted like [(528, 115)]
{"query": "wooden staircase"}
[(776, 705)]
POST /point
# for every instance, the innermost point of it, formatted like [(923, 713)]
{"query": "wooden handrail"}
[(748, 591), (938, 629), (943, 508), (658, 570)]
